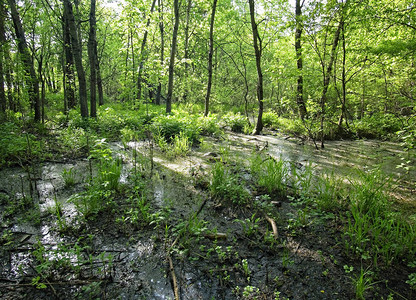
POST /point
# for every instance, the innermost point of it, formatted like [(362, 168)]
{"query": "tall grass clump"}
[(270, 174), (374, 229), (329, 192), (227, 187)]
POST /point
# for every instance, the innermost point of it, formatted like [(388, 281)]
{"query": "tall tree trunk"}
[(327, 75), (343, 115), (143, 54), (186, 50), (211, 50), (31, 78), (257, 51), (3, 103), (77, 52), (162, 48), (93, 61), (68, 67), (99, 79), (172, 56), (299, 60)]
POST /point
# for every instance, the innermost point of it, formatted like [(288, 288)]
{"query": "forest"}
[(205, 149)]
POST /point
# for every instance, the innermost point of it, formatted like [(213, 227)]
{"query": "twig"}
[(216, 236), (174, 281)]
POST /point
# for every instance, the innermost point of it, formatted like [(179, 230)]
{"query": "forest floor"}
[(162, 235)]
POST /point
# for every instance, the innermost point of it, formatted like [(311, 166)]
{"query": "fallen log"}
[(274, 226)]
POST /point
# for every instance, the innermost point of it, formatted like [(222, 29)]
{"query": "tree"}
[(3, 103), (327, 73), (299, 60), (77, 52), (257, 44), (172, 56), (27, 59), (210, 52), (68, 67), (162, 49), (92, 51)]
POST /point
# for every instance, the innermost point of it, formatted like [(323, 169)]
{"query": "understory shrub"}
[(235, 121), (379, 125), (17, 145)]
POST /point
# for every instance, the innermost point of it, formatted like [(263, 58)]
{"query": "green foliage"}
[(329, 192), (250, 225), (378, 125), (16, 145), (362, 283), (374, 230), (72, 141), (69, 177), (227, 186), (109, 174), (271, 120), (270, 174), (235, 121)]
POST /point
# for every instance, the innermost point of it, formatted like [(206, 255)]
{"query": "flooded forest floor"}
[(239, 217)]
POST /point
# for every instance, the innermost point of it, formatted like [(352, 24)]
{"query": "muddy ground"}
[(192, 244)]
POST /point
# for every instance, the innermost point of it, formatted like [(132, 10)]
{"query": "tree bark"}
[(162, 48), (327, 75), (143, 54), (211, 50), (186, 50), (68, 67), (93, 61), (99, 79), (299, 60), (257, 51), (3, 103), (172, 56), (77, 52), (31, 78)]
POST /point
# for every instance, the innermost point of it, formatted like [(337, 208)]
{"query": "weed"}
[(246, 270), (109, 174), (227, 186), (373, 229), (236, 122), (362, 283), (181, 145), (69, 177), (328, 189), (250, 225), (270, 174)]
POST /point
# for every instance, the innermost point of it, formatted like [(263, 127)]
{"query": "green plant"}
[(109, 174), (69, 177), (328, 189), (362, 283), (181, 145), (270, 173), (250, 225), (246, 270), (374, 229), (235, 121), (227, 186)]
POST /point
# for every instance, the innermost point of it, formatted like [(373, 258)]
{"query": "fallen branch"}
[(216, 236), (273, 223), (174, 281)]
